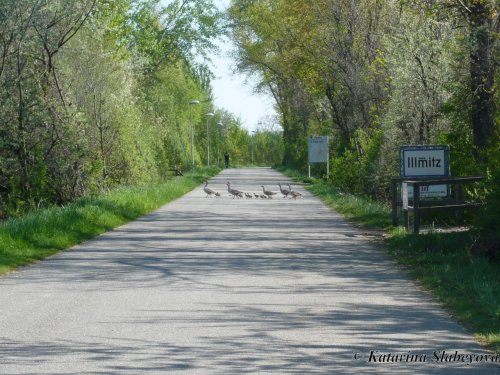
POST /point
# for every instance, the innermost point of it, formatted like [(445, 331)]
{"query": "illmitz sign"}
[(426, 161)]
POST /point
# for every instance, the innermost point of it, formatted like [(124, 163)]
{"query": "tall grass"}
[(42, 233)]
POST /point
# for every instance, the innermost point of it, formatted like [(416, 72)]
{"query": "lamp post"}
[(209, 114), (219, 126), (191, 103)]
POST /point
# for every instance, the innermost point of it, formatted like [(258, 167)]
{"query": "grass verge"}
[(42, 233), (466, 283)]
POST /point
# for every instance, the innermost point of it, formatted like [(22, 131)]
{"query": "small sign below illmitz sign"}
[(426, 161)]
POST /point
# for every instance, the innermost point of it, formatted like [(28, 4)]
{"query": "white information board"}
[(425, 161), (318, 149)]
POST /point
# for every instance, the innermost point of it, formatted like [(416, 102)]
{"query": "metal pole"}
[(327, 159), (209, 114), (192, 129), (328, 167), (192, 135), (219, 125), (208, 143)]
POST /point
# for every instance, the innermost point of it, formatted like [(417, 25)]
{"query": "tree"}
[(94, 94), (484, 25), (33, 106), (481, 20), (373, 75), (269, 36), (182, 29)]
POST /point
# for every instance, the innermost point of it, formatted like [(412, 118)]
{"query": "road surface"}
[(229, 286)]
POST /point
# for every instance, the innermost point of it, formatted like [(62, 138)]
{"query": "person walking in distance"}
[(226, 159)]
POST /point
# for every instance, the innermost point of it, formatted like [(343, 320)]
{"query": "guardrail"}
[(416, 205)]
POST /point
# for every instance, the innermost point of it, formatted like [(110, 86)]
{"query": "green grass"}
[(360, 209), (465, 282), (42, 233)]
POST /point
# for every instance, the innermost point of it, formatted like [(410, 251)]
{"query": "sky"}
[(232, 92)]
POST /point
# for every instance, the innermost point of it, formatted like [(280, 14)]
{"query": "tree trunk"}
[(482, 74)]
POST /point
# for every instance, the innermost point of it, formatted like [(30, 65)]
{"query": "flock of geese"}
[(267, 194)]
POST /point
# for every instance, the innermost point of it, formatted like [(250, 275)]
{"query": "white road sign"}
[(425, 161), (318, 149)]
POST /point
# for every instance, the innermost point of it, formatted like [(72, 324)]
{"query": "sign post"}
[(318, 152), (426, 161)]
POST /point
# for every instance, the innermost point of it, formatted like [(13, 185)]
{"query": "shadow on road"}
[(279, 286)]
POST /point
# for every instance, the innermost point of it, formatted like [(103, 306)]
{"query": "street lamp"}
[(191, 103), (219, 126), (209, 114)]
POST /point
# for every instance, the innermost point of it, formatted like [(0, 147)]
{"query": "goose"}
[(248, 195), (233, 192), (293, 193), (208, 190), (256, 195), (217, 194), (285, 192), (263, 196), (267, 192)]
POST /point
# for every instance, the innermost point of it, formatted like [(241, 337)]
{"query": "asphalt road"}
[(229, 286)]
